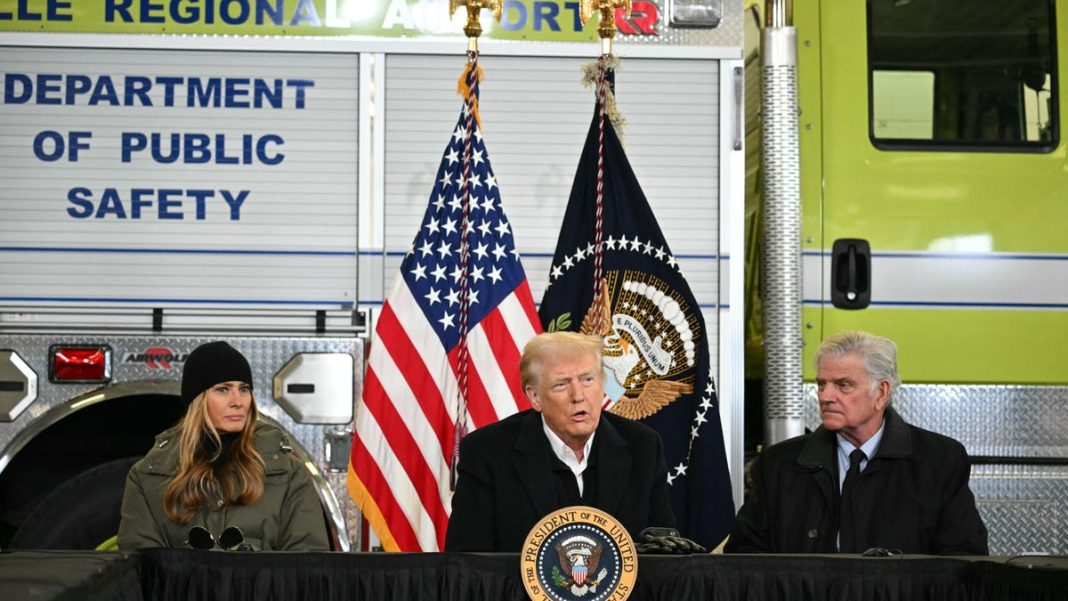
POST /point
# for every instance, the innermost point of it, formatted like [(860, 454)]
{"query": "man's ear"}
[(532, 396), (882, 394)]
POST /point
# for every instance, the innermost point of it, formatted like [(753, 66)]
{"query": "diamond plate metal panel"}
[(1024, 507), (728, 33), (266, 355), (995, 421)]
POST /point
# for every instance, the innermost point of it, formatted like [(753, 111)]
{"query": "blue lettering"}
[(176, 145), (77, 84), (110, 203), (24, 12), (273, 96), (196, 148), (130, 143), (137, 86), (520, 10), (577, 19), (220, 151), (104, 91), (226, 13), (58, 146), (76, 143), (237, 93), (166, 203), (201, 95), (168, 88), (261, 150), (18, 88), (147, 8), (46, 84), (122, 7), (201, 197), (547, 12), (305, 13), (53, 11), (138, 200), (235, 203), (300, 84), (263, 7), (191, 14), (83, 207)]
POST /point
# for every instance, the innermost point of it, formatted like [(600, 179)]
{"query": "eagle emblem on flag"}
[(649, 336)]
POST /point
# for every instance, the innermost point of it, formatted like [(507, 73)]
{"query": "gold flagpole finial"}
[(473, 28), (607, 8)]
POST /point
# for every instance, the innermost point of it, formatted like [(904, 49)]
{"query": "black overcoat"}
[(913, 496), (506, 483)]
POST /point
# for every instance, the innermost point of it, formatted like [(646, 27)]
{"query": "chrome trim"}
[(781, 259)]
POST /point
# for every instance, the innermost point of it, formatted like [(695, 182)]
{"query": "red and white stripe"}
[(405, 423)]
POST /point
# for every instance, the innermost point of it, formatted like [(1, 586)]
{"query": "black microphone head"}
[(200, 538), (231, 538)]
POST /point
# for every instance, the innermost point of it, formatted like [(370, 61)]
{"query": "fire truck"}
[(178, 171), (907, 160)]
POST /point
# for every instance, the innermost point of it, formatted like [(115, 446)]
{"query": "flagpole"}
[(607, 32), (468, 88)]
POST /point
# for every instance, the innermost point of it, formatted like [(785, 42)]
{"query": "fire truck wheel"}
[(81, 513)]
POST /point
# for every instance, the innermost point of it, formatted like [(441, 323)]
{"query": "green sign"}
[(542, 20)]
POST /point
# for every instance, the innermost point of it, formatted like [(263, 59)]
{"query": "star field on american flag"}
[(432, 266)]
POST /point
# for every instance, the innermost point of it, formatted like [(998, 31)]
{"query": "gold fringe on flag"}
[(589, 80), (465, 90)]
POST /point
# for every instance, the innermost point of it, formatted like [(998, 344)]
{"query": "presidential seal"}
[(578, 553), (649, 333)]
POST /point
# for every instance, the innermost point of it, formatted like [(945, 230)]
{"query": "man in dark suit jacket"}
[(909, 491), (562, 452)]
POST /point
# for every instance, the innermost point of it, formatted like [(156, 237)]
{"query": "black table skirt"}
[(187, 575), (177, 574)]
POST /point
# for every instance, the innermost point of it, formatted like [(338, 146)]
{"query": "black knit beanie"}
[(211, 363)]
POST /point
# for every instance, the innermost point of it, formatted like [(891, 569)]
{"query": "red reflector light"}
[(81, 364)]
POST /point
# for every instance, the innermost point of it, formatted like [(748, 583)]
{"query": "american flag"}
[(445, 357)]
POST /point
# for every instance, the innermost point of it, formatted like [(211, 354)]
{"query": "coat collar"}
[(533, 464), (272, 444), (819, 448)]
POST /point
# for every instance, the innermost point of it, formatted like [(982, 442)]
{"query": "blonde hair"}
[(238, 479), (552, 344)]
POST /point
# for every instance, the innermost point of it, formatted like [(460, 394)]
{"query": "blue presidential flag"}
[(634, 295)]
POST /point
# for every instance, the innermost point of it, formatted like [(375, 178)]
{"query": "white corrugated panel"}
[(70, 230), (535, 115)]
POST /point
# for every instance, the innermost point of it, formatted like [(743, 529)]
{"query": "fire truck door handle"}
[(851, 273)]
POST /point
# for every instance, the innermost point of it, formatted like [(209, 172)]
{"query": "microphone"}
[(880, 552), (231, 539)]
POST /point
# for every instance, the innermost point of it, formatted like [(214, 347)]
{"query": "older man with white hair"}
[(865, 478)]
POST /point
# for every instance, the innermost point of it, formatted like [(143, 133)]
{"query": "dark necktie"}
[(847, 527)]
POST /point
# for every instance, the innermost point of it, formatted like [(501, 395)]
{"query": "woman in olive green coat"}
[(220, 468)]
